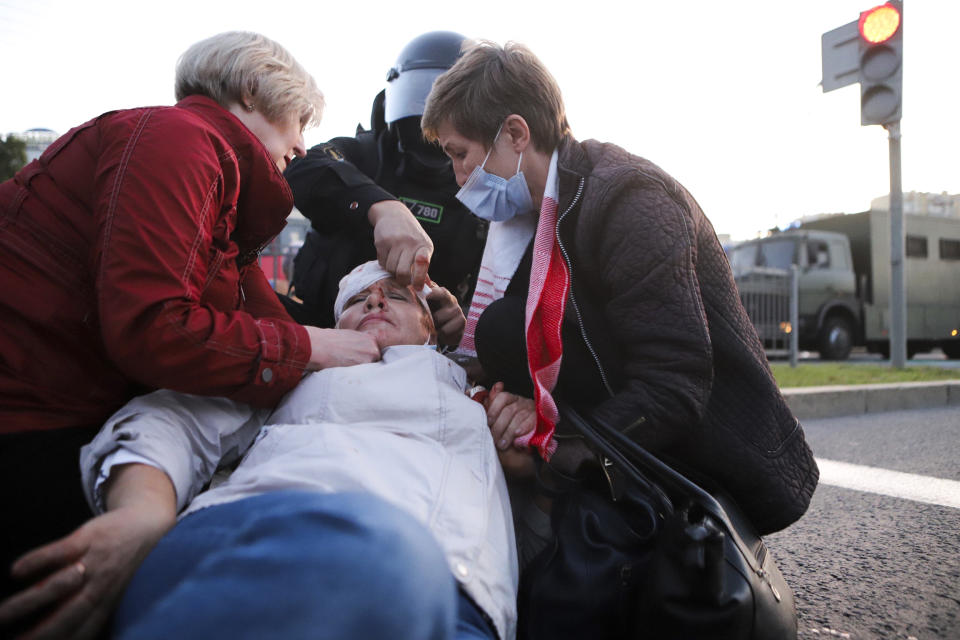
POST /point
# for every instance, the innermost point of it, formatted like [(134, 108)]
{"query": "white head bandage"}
[(362, 277)]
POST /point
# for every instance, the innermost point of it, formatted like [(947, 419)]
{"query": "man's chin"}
[(382, 333), (386, 337)]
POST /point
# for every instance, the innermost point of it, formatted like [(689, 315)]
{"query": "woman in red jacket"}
[(128, 262)]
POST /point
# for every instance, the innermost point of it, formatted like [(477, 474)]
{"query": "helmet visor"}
[(407, 93)]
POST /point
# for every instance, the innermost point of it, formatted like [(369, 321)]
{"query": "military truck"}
[(843, 264)]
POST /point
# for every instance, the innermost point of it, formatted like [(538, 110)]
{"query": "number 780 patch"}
[(425, 211)]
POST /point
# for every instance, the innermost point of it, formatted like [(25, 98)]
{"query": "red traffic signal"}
[(879, 24), (881, 63)]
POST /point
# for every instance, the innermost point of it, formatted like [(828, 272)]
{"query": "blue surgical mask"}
[(494, 198)]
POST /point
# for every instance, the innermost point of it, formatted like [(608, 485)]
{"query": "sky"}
[(724, 96)]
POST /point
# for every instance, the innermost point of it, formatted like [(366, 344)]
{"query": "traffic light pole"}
[(898, 302), (870, 51)]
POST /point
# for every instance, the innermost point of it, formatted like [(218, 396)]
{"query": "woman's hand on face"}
[(510, 416), (340, 348), (448, 317), (79, 579), (403, 247)]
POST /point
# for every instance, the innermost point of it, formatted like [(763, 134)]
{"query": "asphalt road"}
[(866, 564)]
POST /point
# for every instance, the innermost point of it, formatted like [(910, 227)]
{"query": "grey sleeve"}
[(184, 436)]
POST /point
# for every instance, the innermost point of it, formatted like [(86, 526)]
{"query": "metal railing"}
[(771, 299), (276, 261)]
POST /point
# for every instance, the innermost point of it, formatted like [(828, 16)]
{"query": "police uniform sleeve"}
[(330, 189)]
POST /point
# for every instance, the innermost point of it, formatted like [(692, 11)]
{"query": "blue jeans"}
[(298, 565)]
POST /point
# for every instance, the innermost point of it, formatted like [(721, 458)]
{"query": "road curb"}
[(811, 403)]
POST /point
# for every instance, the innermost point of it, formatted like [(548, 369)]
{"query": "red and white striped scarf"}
[(546, 302), (506, 243)]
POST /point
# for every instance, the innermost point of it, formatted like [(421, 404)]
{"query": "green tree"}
[(13, 155)]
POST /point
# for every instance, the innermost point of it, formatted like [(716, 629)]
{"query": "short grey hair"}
[(239, 66)]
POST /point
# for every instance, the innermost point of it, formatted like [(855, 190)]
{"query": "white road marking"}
[(895, 484)]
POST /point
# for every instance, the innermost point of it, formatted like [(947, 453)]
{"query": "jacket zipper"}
[(573, 300)]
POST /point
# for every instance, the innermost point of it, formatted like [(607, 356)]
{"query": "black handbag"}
[(650, 554)]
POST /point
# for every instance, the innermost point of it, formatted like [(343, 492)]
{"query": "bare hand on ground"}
[(77, 580)]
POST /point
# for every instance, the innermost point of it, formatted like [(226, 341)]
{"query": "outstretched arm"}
[(336, 194), (332, 186), (78, 580)]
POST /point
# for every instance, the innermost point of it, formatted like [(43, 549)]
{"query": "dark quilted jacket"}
[(654, 295)]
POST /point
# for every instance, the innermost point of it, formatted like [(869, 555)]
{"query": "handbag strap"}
[(639, 463)]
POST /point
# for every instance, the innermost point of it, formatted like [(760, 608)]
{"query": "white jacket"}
[(401, 428)]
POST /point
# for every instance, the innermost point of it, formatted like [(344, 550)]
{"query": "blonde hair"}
[(240, 66), (490, 82)]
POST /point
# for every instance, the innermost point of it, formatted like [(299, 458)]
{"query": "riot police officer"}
[(352, 189)]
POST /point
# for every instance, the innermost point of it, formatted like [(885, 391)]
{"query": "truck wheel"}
[(951, 349), (836, 339)]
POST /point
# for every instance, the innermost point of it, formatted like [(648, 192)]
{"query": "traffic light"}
[(881, 63)]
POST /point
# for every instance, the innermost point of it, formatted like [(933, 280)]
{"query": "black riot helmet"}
[(418, 65)]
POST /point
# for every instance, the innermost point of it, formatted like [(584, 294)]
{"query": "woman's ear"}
[(517, 131)]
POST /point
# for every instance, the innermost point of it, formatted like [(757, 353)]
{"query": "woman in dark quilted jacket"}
[(603, 287)]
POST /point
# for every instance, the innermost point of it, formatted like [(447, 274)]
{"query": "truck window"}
[(839, 255), (916, 247), (949, 249), (818, 254), (777, 254)]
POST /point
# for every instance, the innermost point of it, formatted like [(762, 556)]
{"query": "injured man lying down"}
[(369, 504)]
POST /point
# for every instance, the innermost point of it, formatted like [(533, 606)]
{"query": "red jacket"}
[(128, 262)]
